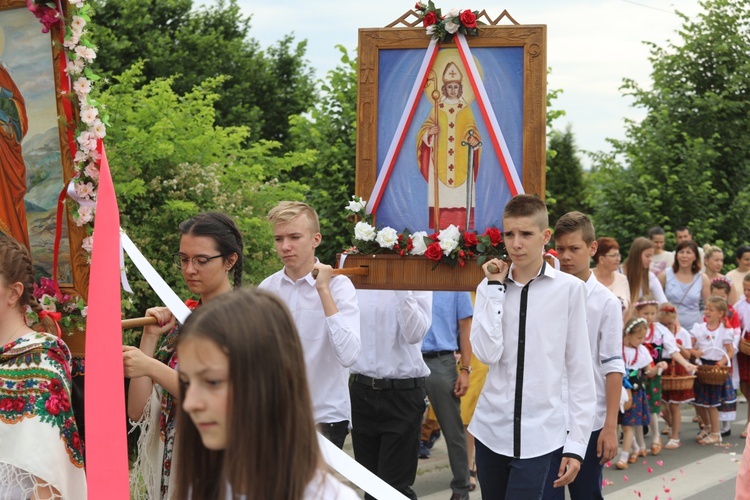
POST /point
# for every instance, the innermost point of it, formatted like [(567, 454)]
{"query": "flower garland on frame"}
[(443, 27), (449, 245), (88, 127)]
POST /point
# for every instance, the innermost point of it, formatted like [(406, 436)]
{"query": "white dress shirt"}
[(742, 307), (530, 336), (330, 344), (393, 324), (604, 321)]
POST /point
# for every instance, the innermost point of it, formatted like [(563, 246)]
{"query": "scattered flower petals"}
[(649, 470), (659, 463), (625, 478)]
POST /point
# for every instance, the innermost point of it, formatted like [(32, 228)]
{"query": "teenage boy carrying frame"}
[(530, 328)]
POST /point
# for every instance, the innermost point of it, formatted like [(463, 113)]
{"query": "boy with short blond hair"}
[(530, 328)]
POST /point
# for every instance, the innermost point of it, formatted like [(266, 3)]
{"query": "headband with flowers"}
[(636, 322), (722, 279), (644, 303)]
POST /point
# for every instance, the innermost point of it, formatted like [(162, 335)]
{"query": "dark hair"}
[(682, 228), (656, 230), (575, 221), (527, 205), (270, 417), (741, 250), (224, 232), (697, 264), (604, 245), (16, 267), (638, 275), (721, 284)]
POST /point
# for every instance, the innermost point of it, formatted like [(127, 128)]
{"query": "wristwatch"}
[(465, 368)]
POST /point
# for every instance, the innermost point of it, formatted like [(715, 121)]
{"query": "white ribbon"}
[(123, 273), (157, 283), (416, 91)]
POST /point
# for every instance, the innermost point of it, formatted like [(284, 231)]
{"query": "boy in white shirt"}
[(530, 328), (575, 243), (325, 311)]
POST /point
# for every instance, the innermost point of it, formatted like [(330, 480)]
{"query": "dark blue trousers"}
[(502, 477), (588, 482)]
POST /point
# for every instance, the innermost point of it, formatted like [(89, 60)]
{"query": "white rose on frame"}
[(387, 237), (364, 231), (418, 244)]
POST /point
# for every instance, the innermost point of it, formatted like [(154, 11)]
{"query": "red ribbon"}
[(55, 317), (106, 442)]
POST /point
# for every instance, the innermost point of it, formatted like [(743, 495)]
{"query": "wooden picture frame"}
[(49, 136), (526, 43)]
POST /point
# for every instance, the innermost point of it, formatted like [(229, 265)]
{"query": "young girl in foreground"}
[(679, 340), (245, 428), (638, 365), (712, 343)]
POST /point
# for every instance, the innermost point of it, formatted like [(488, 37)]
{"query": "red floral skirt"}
[(743, 365)]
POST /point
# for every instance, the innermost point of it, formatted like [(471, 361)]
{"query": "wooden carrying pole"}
[(150, 320)]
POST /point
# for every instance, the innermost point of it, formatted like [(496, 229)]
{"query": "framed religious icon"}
[(449, 130), (34, 150)]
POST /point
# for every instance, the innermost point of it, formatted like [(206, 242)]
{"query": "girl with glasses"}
[(210, 248)]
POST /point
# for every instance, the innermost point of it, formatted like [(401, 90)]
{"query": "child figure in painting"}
[(676, 341), (712, 343), (743, 360), (245, 424), (639, 365), (722, 287)]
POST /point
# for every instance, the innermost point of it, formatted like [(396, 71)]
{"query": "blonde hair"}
[(665, 309), (287, 211), (719, 303)]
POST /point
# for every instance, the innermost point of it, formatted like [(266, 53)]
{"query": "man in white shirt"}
[(325, 311), (530, 328), (388, 389), (575, 242), (661, 259)]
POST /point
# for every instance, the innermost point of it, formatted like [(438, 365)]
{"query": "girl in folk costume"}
[(245, 427), (639, 365), (448, 147), (722, 287), (712, 343), (41, 453), (677, 343), (660, 343), (210, 247), (743, 360)]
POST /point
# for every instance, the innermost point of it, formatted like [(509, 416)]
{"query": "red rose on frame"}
[(468, 19), (470, 239), (434, 252), (495, 235), (429, 19)]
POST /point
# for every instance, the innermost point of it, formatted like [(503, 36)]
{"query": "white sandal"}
[(673, 444)]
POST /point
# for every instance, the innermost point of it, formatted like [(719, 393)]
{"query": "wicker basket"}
[(714, 375), (678, 383), (745, 346)]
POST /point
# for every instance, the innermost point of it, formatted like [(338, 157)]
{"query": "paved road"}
[(691, 472)]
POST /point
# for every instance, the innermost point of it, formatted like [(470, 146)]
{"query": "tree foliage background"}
[(687, 162)]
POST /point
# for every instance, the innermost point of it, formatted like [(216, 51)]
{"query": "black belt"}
[(437, 354), (389, 383)]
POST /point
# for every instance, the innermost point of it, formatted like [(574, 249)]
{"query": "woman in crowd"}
[(607, 271), (641, 280), (41, 452), (245, 428), (210, 248), (742, 257), (685, 285), (713, 261)]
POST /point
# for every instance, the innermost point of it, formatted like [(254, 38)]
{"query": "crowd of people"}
[(531, 384)]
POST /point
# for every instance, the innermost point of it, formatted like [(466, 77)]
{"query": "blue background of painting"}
[(404, 202)]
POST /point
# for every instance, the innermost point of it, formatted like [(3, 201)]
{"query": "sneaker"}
[(433, 437), (424, 450)]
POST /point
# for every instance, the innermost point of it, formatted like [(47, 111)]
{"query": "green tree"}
[(263, 88), (330, 128), (565, 187), (687, 162), (170, 161)]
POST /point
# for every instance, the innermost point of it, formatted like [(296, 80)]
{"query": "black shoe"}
[(726, 433), (424, 450), (433, 437)]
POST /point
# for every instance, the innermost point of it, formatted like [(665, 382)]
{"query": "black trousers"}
[(335, 432), (386, 425)]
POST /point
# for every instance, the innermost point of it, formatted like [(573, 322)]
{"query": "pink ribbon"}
[(106, 442)]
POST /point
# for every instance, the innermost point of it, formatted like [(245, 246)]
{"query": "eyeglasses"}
[(199, 261), (613, 255)]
